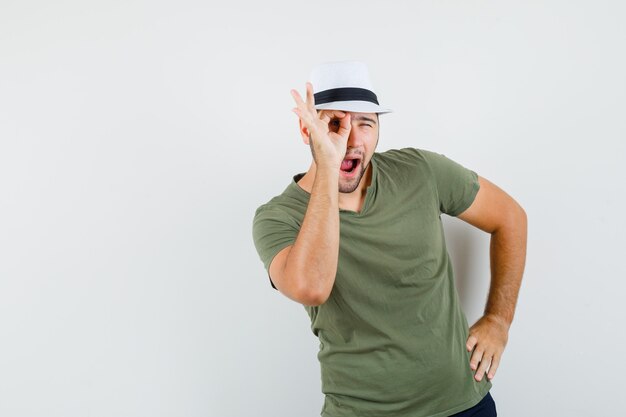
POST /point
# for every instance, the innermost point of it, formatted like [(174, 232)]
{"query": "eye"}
[(335, 122), (366, 125)]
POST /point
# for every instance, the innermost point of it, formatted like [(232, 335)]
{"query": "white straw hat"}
[(344, 85)]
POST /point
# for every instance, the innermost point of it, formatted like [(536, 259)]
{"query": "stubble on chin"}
[(349, 188)]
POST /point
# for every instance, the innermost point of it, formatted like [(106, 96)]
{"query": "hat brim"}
[(354, 106)]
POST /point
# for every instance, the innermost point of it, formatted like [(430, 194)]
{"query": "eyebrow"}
[(364, 118)]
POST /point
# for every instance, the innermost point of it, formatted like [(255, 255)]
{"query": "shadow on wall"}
[(469, 251)]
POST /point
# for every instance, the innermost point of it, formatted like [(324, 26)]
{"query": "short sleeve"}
[(456, 185), (272, 231)]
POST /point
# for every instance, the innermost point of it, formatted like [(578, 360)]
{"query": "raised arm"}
[(305, 271)]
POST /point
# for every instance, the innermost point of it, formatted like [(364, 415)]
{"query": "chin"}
[(350, 186), (347, 190)]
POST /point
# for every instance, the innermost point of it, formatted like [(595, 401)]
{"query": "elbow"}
[(313, 297), (316, 300), (310, 286), (515, 219)]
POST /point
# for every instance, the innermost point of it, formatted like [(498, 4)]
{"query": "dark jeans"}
[(485, 408)]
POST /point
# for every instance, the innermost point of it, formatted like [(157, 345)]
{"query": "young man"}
[(358, 241)]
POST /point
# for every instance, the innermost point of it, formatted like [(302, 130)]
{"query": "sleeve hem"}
[(470, 200), (281, 247)]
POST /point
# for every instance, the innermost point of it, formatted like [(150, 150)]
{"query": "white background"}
[(137, 138)]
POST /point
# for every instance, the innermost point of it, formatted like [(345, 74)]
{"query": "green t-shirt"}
[(392, 333)]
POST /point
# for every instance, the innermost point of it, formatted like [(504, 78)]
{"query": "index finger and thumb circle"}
[(327, 115), (307, 111)]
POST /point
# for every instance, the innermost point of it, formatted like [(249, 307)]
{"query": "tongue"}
[(346, 164)]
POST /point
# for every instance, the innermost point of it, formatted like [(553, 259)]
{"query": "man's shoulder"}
[(406, 157), (275, 203), (408, 153), (288, 202)]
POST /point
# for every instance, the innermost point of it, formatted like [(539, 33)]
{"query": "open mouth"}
[(349, 165)]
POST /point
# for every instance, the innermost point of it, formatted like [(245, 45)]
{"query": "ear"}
[(304, 132)]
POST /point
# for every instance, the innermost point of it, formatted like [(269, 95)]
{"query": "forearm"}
[(507, 259), (314, 255)]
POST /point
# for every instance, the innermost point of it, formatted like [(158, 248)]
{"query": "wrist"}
[(327, 169), (499, 319)]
